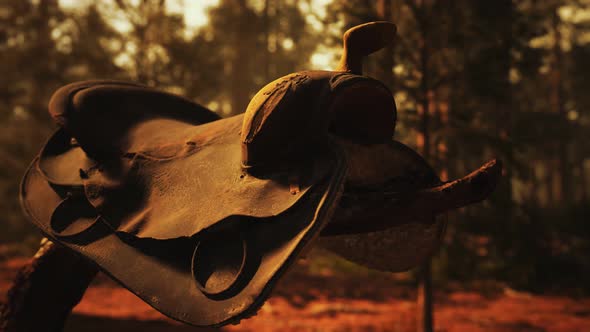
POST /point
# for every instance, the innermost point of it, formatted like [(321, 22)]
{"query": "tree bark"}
[(424, 318), (558, 103), (46, 290), (243, 39), (385, 60)]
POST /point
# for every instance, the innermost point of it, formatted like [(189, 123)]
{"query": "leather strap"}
[(219, 263), (73, 217)]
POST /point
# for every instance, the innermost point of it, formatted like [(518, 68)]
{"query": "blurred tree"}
[(499, 78), (511, 98), (385, 61), (43, 48), (471, 79), (258, 42)]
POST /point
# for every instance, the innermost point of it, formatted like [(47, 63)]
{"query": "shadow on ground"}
[(84, 323), (319, 297)]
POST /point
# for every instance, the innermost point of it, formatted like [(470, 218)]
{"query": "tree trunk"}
[(240, 64), (558, 103), (424, 319), (46, 290), (266, 31), (584, 181), (385, 61)]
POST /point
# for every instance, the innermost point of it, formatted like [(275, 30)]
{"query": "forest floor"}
[(328, 301)]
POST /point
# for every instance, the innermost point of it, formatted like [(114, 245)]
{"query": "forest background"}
[(472, 80)]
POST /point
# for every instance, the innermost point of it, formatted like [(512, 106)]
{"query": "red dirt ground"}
[(304, 302)]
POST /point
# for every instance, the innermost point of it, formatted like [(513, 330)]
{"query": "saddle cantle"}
[(197, 215)]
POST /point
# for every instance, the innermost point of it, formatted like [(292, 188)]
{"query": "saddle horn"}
[(362, 40)]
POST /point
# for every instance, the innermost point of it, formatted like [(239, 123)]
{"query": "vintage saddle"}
[(200, 216)]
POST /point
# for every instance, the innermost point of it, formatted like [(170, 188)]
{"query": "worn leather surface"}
[(292, 114), (157, 197), (166, 194), (406, 242)]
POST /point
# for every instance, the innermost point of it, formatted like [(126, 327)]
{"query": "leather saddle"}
[(199, 216)]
